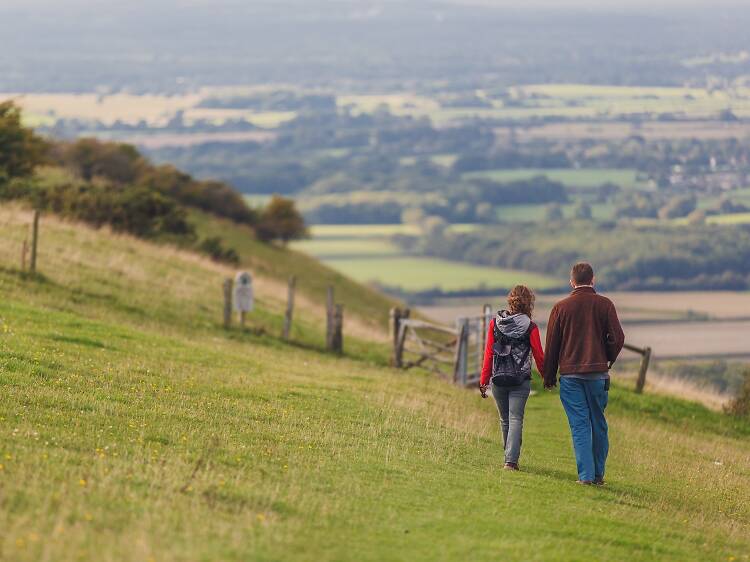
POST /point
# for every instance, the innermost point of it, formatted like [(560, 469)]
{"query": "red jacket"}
[(536, 349)]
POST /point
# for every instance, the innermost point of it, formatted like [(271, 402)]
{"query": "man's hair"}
[(582, 273)]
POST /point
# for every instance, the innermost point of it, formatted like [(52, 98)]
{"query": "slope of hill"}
[(369, 306), (133, 428)]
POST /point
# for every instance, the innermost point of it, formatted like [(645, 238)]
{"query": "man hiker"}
[(584, 338)]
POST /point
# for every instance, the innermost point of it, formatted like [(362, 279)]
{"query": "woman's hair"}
[(521, 300)]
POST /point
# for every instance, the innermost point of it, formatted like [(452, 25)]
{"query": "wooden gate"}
[(455, 353)]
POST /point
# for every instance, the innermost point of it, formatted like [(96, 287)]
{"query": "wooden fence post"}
[(641, 382), (459, 366), (289, 308), (394, 319), (398, 359), (24, 251), (329, 318), (337, 339), (34, 241), (227, 303)]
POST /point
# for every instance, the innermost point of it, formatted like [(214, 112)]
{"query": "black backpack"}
[(509, 356)]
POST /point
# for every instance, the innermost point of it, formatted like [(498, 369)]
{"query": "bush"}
[(213, 197), (740, 406), (90, 158), (122, 164), (678, 207), (280, 220), (553, 213), (135, 210), (20, 149), (214, 247), (582, 211)]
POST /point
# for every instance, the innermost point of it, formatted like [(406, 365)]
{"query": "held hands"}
[(483, 390)]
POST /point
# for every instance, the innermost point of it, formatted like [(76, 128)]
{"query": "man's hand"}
[(483, 389), (550, 383)]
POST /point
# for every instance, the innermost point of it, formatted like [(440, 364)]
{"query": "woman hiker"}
[(511, 340)]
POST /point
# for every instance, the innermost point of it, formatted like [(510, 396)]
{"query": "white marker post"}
[(243, 295)]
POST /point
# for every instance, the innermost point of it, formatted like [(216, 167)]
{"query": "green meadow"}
[(536, 213), (412, 273), (582, 178), (133, 427), (367, 254)]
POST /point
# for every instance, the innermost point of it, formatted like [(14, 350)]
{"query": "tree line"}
[(107, 183)]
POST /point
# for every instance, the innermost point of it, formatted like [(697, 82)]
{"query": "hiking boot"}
[(599, 482), (511, 466), (584, 482)]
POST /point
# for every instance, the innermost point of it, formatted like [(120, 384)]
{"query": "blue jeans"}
[(584, 401)]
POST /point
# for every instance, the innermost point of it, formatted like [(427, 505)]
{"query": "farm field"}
[(734, 218), (133, 428), (573, 178), (618, 130), (574, 101), (366, 254), (354, 247), (676, 325), (525, 102), (536, 213), (153, 109), (421, 274)]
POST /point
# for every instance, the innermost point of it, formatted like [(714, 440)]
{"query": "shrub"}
[(20, 149), (214, 247), (90, 158), (136, 210), (740, 406), (280, 220), (122, 164), (553, 212)]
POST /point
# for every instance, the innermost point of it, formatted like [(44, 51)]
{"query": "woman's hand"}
[(483, 389)]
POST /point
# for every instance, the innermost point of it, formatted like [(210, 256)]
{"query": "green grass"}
[(313, 277), (734, 218), (536, 213), (318, 231), (418, 274), (366, 254), (132, 427), (323, 248), (584, 178)]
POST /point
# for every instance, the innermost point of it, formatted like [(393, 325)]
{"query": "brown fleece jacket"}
[(583, 335)]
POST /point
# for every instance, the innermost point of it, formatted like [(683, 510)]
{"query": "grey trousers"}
[(511, 403)]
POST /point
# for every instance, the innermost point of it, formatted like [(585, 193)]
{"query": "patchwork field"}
[(573, 178), (536, 213), (572, 101), (420, 274), (619, 130), (366, 254)]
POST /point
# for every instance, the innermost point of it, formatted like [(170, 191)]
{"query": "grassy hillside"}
[(133, 428), (314, 278)]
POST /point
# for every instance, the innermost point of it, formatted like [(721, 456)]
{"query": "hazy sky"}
[(618, 5)]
